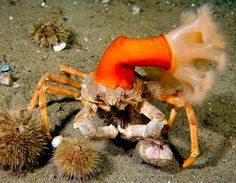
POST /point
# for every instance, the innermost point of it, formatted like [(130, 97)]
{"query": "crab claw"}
[(132, 131), (154, 128)]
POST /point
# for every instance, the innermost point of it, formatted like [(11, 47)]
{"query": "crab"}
[(115, 84), (94, 97)]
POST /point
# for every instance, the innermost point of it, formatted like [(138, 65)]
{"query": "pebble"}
[(56, 141), (16, 85), (43, 5), (5, 68), (105, 1), (5, 78), (136, 10), (85, 39)]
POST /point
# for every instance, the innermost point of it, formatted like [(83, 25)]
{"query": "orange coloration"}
[(117, 65)]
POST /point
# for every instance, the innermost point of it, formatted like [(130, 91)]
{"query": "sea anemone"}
[(195, 44), (197, 47), (22, 141), (76, 159), (50, 34)]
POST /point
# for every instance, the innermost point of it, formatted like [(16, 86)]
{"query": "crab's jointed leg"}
[(70, 70), (152, 130), (178, 102), (42, 89), (43, 103), (90, 129), (54, 78), (193, 124)]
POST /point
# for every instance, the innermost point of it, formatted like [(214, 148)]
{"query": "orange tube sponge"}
[(117, 65)]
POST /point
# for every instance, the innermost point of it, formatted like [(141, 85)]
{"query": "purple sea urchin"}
[(22, 140), (76, 159), (50, 34)]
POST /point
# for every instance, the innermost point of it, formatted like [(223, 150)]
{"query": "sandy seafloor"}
[(95, 25)]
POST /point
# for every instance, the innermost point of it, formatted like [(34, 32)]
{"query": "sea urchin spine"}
[(76, 159), (50, 34), (22, 141)]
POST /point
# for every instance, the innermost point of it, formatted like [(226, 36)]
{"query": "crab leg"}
[(51, 77), (43, 112), (90, 129), (152, 130), (193, 123), (43, 103), (67, 69), (178, 101)]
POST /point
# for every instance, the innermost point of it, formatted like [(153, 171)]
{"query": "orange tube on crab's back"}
[(116, 67)]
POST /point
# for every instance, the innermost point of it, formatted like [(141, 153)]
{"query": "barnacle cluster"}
[(22, 141), (50, 34), (76, 159)]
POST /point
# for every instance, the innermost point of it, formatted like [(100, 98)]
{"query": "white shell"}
[(59, 46), (136, 10), (155, 152), (5, 78), (56, 141)]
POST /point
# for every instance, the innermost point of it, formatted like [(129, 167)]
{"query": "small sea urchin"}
[(76, 159), (50, 34), (22, 140)]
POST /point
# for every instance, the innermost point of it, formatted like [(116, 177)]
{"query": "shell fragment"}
[(59, 46)]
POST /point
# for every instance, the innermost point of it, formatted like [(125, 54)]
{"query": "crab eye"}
[(123, 95), (99, 96)]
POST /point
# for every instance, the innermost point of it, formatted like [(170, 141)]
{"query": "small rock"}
[(56, 141), (136, 10), (5, 78), (85, 39), (16, 85), (43, 4), (105, 1), (5, 68)]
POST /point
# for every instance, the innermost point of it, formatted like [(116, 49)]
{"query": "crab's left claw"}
[(90, 129)]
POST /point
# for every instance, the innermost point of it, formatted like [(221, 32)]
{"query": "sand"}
[(94, 26)]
